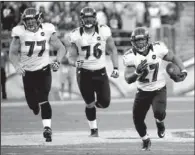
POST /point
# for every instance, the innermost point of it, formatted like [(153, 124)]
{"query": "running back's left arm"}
[(58, 46), (112, 50), (170, 56)]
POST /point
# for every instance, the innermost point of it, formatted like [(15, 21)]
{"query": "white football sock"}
[(46, 122), (145, 137), (92, 124)]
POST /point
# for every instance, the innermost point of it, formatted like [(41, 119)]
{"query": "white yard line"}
[(81, 137), (169, 99), (126, 112)]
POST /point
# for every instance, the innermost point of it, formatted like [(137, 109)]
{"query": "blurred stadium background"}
[(171, 22)]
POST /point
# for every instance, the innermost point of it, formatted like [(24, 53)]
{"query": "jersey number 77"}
[(32, 45)]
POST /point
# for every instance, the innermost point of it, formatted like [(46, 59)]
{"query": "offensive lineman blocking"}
[(29, 54), (87, 52), (144, 66)]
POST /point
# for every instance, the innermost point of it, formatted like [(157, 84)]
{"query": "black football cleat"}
[(94, 133), (161, 129), (47, 134), (146, 145)]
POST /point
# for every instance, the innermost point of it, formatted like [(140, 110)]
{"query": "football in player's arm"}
[(132, 73), (143, 65)]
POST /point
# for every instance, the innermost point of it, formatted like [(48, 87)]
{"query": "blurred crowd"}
[(65, 16), (117, 15)]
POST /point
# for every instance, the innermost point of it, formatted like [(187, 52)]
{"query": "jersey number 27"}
[(154, 67)]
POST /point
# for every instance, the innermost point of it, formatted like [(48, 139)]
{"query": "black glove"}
[(55, 65), (175, 78), (180, 77), (141, 67), (115, 73)]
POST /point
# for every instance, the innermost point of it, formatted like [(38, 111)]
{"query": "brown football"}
[(172, 69)]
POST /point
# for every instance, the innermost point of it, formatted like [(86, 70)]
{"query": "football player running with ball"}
[(144, 66), (89, 44), (29, 54)]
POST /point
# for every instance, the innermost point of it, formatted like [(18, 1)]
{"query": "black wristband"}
[(115, 67)]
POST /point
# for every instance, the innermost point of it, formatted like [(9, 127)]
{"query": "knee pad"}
[(102, 105), (90, 105), (159, 115), (46, 111)]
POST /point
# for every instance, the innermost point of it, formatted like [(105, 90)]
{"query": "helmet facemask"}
[(88, 21), (31, 24), (88, 17), (140, 40), (140, 44), (31, 19)]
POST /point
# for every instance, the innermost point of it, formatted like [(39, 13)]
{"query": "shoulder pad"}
[(75, 30), (105, 30), (156, 43), (17, 31), (48, 26), (159, 44), (74, 34), (128, 52), (102, 27)]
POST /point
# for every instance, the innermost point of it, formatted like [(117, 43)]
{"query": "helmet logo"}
[(98, 38), (154, 57), (42, 33)]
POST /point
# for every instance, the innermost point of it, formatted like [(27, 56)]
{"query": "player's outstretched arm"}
[(130, 75), (58, 46), (14, 55), (112, 50)]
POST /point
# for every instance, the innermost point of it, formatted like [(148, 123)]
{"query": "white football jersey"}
[(154, 77), (34, 46), (91, 47)]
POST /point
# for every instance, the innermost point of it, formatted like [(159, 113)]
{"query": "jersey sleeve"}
[(67, 40), (128, 59), (50, 28), (163, 50), (105, 31), (73, 35), (16, 31)]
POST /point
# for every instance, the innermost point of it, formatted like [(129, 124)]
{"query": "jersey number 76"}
[(96, 51)]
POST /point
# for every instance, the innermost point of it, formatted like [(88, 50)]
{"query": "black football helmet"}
[(31, 19), (140, 39), (88, 17)]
